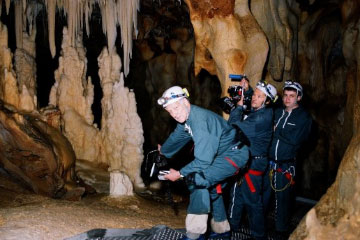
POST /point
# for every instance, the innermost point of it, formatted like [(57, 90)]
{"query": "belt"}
[(258, 157), (290, 160)]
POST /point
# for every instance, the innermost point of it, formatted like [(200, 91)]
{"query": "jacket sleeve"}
[(297, 135), (206, 146), (235, 116), (177, 139)]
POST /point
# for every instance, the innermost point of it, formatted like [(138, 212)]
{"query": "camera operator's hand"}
[(159, 148), (241, 101), (173, 175)]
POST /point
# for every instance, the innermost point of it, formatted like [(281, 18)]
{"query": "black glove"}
[(196, 180)]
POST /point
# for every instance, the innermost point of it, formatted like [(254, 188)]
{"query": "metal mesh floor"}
[(156, 233), (162, 232)]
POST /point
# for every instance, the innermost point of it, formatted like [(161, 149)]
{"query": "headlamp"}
[(265, 86), (163, 100), (288, 83), (293, 85)]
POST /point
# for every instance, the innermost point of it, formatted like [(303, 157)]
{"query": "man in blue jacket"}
[(292, 125), (218, 155), (257, 126)]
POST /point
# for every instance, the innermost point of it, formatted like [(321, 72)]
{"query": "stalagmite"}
[(73, 95), (25, 67), (120, 184), (122, 134), (9, 91)]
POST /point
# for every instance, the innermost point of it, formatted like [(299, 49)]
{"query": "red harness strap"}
[(218, 187), (248, 179), (234, 165)]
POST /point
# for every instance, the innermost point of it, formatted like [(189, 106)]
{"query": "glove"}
[(196, 180)]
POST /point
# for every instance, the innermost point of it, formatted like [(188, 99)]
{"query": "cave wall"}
[(337, 213)]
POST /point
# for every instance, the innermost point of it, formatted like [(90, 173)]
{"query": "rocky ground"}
[(25, 215)]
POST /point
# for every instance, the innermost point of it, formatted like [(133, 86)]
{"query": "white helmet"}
[(172, 95), (295, 86), (268, 89)]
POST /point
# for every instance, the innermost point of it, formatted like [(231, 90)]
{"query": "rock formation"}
[(19, 94), (119, 141), (337, 214), (121, 132), (37, 154), (228, 40)]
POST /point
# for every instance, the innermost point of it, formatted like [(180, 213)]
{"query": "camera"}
[(227, 104), (154, 163), (235, 92)]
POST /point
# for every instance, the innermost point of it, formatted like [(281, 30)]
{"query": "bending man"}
[(218, 152)]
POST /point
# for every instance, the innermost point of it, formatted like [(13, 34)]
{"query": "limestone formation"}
[(72, 93), (279, 21), (121, 132), (25, 67), (37, 154), (337, 214), (228, 40), (119, 142), (19, 94)]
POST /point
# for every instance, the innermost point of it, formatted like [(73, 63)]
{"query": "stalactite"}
[(19, 23), (88, 12), (7, 3), (108, 13), (126, 20), (114, 13), (32, 10), (50, 7)]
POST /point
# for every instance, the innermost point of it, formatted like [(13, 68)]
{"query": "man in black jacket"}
[(292, 126), (257, 126)]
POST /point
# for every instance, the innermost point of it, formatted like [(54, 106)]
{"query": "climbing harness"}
[(289, 174)]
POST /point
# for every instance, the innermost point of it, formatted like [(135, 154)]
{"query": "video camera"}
[(155, 164), (228, 104)]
